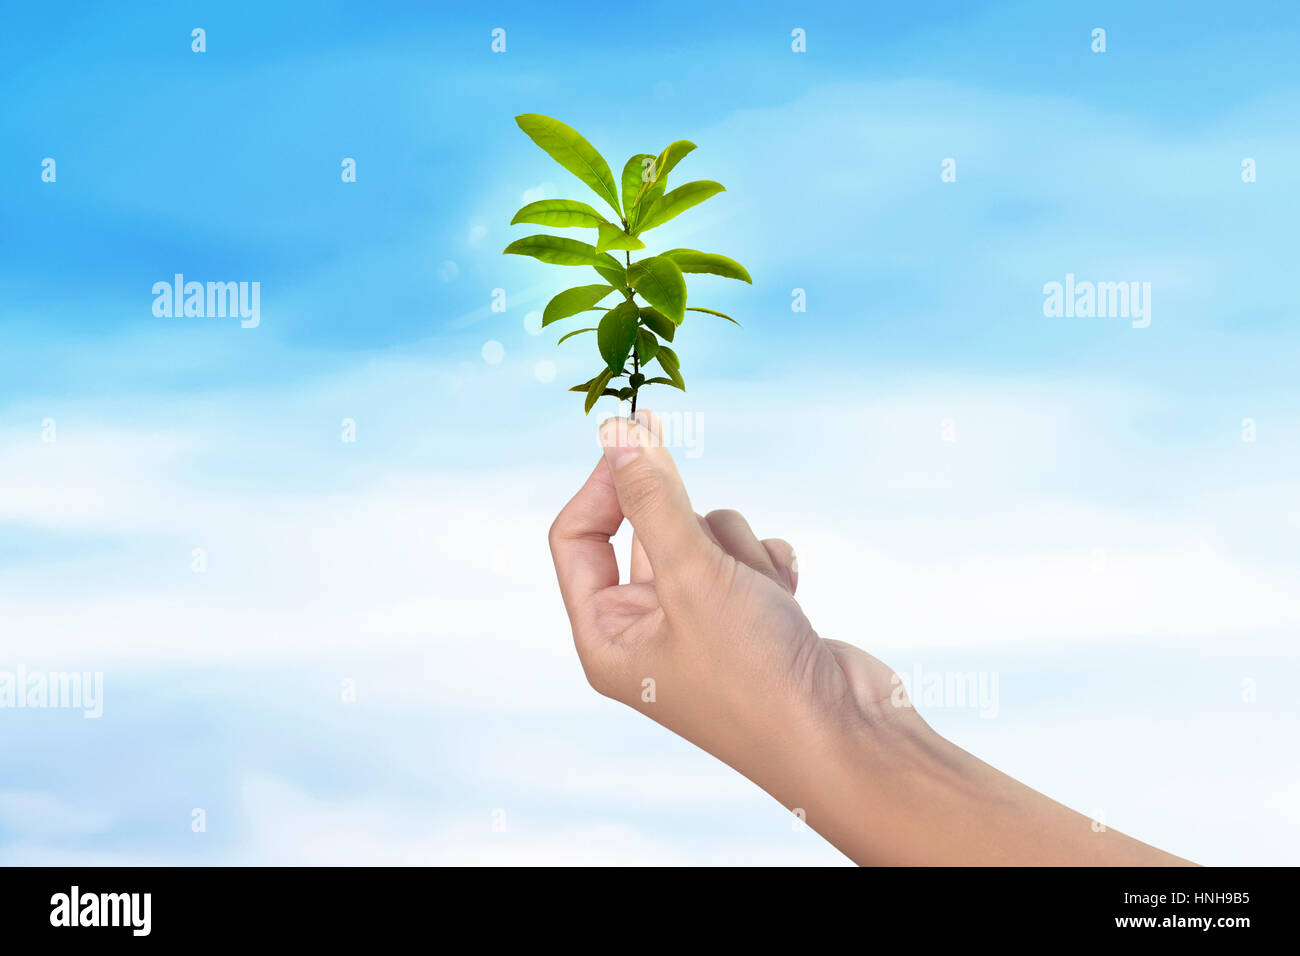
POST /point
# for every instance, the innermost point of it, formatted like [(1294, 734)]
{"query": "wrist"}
[(849, 775), (888, 767)]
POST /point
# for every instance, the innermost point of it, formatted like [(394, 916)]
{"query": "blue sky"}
[(1098, 533)]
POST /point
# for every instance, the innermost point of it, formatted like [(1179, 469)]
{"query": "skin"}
[(709, 616)]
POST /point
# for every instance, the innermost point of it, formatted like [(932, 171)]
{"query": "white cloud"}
[(537, 193), (40, 815), (901, 535), (429, 580), (287, 829)]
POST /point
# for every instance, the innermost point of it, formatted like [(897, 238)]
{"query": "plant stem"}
[(636, 359), (635, 368)]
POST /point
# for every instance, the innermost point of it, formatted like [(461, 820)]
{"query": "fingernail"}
[(794, 563), (620, 448), (647, 420)]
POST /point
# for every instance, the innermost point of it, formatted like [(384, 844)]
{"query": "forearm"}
[(891, 791)]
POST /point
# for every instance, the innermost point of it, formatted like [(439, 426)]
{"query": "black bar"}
[(639, 906)]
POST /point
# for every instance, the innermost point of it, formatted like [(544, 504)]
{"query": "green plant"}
[(628, 330)]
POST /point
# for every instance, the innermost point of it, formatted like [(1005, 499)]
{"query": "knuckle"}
[(698, 583), (595, 680), (642, 492), (592, 670), (600, 678)]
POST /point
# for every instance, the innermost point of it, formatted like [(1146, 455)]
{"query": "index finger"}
[(584, 558)]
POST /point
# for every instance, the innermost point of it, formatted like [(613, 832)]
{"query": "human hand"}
[(706, 637)]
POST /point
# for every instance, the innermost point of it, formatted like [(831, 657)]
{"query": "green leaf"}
[(625, 393), (615, 335), (596, 389), (569, 335), (612, 237), (722, 315), (676, 202), (559, 212), (634, 174), (692, 260), (558, 251), (646, 345), (659, 323), (587, 384), (668, 361), (567, 147), (661, 284), (612, 271), (652, 189), (572, 301), (660, 380)]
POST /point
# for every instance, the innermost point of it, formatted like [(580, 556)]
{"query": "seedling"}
[(629, 332)]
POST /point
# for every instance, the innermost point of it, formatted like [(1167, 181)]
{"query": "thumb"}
[(651, 493)]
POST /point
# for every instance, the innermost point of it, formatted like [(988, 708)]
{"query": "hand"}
[(706, 637)]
